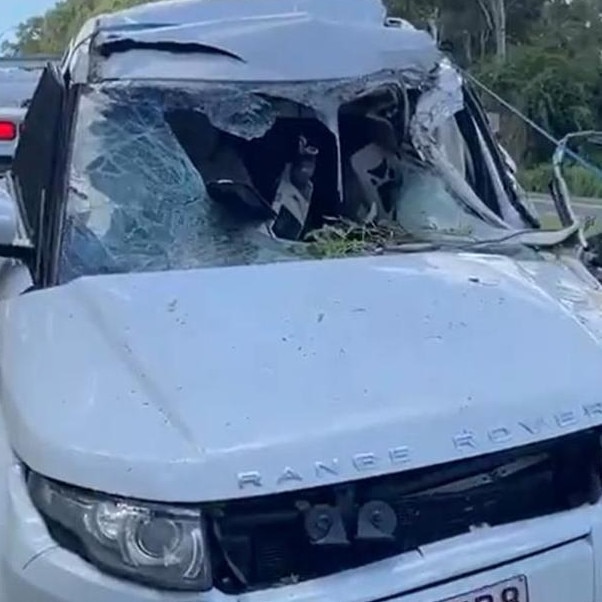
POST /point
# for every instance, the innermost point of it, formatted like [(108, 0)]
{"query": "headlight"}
[(161, 546)]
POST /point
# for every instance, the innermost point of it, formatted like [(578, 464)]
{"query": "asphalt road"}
[(584, 207)]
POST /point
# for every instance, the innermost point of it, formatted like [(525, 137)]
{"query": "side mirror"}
[(559, 189), (591, 245)]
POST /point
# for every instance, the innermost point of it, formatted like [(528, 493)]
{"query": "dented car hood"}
[(229, 382)]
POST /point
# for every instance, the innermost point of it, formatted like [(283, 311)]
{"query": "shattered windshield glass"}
[(136, 201), (166, 178)]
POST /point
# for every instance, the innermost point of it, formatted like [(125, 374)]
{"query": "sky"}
[(14, 12)]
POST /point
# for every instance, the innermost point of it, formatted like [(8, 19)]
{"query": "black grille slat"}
[(266, 540)]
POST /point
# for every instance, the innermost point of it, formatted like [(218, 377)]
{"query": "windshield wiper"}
[(529, 238), (533, 238), (411, 247)]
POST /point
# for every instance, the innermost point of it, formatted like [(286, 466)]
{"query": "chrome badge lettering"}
[(364, 462), (467, 441)]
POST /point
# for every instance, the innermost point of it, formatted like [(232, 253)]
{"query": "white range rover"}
[(277, 325)]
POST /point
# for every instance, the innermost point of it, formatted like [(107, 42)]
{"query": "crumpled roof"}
[(258, 40), (192, 11)]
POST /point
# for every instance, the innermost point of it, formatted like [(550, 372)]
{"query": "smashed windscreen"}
[(168, 178), (136, 201)]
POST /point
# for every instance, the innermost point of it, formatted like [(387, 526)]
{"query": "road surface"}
[(583, 207)]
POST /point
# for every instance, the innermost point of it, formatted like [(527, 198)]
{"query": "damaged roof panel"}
[(253, 50), (173, 12), (324, 39)]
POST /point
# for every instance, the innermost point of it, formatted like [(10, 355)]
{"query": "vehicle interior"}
[(248, 176), (142, 145)]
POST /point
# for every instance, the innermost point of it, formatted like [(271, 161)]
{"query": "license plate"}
[(511, 590)]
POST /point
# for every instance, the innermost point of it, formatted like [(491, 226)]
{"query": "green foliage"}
[(340, 237), (552, 69), (549, 64), (50, 33), (553, 89), (556, 78), (581, 181)]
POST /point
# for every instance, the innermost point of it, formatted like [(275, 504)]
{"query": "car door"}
[(38, 170)]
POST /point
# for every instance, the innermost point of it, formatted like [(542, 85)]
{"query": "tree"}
[(498, 13), (51, 32), (541, 55), (555, 78)]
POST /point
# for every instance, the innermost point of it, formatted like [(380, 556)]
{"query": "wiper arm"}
[(332, 241), (534, 238), (410, 247), (530, 238)]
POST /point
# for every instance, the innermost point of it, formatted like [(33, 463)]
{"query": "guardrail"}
[(36, 61), (539, 197)]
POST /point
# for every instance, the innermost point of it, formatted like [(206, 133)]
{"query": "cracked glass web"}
[(136, 202)]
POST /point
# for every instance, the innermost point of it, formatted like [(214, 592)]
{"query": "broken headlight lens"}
[(160, 546)]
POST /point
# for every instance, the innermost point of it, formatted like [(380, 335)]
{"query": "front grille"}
[(267, 541)]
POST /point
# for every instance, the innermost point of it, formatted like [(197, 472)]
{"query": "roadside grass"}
[(593, 226), (580, 181)]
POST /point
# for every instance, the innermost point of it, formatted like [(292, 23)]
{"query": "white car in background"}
[(11, 119), (19, 77)]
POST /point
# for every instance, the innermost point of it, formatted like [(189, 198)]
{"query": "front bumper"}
[(560, 556)]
